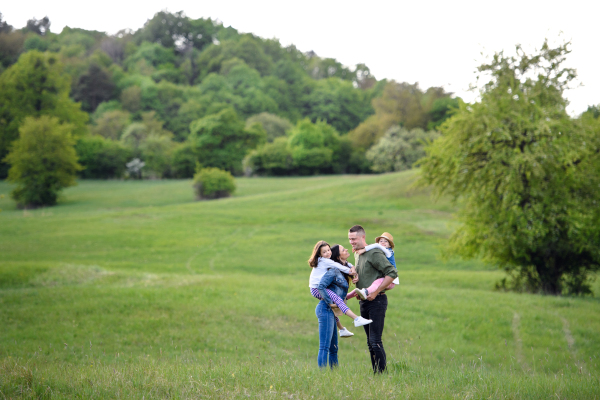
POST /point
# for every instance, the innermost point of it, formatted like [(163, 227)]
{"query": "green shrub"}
[(213, 183), (399, 149), (270, 159), (43, 161), (101, 158)]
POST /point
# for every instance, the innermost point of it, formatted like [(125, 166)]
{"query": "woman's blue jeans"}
[(328, 338)]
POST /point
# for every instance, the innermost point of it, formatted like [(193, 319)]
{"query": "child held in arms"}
[(384, 242)]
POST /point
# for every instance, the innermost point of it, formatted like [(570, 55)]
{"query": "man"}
[(370, 266)]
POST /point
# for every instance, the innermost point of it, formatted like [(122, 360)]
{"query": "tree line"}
[(181, 97), (180, 92)]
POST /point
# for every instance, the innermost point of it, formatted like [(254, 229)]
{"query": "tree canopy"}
[(525, 173), (43, 161), (183, 70), (36, 85)]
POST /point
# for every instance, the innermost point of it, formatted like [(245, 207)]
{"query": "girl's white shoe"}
[(345, 333), (360, 321), (361, 293)]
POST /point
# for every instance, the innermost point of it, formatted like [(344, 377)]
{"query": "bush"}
[(270, 159), (43, 161), (101, 158), (213, 183), (399, 149)]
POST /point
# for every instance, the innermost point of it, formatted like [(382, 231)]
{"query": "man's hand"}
[(372, 296), (386, 282), (355, 279)]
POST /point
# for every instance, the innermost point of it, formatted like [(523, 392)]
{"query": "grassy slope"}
[(138, 274)]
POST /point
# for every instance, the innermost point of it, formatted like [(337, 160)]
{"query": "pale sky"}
[(435, 43)]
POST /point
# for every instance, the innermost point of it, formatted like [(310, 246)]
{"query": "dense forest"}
[(180, 93)]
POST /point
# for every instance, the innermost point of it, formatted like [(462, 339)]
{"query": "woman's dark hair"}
[(335, 256), (335, 253)]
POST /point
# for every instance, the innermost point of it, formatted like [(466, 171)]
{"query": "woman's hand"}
[(352, 271)]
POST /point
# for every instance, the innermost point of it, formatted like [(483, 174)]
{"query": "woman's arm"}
[(328, 263)]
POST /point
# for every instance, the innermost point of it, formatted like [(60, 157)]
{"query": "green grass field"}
[(134, 290)]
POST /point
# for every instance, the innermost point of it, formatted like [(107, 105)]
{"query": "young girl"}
[(320, 261), (385, 242)]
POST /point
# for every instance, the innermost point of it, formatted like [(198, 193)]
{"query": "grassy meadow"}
[(131, 289)]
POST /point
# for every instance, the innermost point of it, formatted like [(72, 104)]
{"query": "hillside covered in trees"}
[(182, 92)]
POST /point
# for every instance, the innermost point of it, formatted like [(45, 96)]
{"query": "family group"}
[(374, 273)]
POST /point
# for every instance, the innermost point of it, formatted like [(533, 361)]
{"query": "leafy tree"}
[(111, 124), (93, 87), (593, 111), (133, 137), (38, 26), (274, 125), (289, 87), (43, 161), (323, 68), (11, 46), (177, 31), (441, 109), (148, 57), (246, 83), (131, 98), (221, 141), (184, 160), (525, 173), (112, 105), (136, 134), (157, 151), (35, 86), (247, 48), (363, 77), (401, 104), (101, 158), (189, 111), (213, 183), (399, 149), (339, 103), (164, 98), (5, 27), (169, 73), (313, 146), (273, 158), (36, 43), (114, 47)]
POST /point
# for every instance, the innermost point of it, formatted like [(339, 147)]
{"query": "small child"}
[(385, 242), (320, 261)]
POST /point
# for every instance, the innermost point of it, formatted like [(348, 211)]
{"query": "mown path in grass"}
[(141, 270)]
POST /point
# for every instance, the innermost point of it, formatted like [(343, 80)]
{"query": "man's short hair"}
[(359, 230)]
